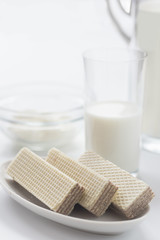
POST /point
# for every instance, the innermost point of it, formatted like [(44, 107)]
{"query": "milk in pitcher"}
[(148, 38)]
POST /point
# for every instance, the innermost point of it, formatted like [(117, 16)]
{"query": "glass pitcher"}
[(124, 13), (143, 20)]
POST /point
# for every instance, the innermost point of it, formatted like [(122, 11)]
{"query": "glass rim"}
[(141, 55)]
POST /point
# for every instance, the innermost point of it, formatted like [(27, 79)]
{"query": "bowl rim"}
[(8, 114)]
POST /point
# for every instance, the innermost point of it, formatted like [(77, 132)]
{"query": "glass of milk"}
[(113, 104), (148, 38)]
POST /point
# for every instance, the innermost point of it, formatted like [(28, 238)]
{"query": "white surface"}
[(110, 123), (109, 223), (29, 48)]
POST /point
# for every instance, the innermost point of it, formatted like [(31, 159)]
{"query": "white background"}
[(44, 40)]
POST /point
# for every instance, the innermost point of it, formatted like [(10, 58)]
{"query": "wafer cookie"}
[(133, 195), (99, 191), (52, 187)]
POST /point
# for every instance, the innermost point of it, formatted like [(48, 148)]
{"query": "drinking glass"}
[(113, 104)]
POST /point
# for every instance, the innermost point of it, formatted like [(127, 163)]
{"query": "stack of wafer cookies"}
[(60, 182)]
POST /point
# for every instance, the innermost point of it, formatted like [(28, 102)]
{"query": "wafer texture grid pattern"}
[(98, 190), (48, 184), (133, 195)]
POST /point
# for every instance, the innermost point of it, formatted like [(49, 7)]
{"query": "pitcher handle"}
[(125, 21)]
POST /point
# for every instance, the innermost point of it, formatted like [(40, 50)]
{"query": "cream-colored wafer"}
[(98, 190), (133, 195), (58, 191)]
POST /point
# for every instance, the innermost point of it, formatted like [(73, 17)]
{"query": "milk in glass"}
[(113, 131)]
